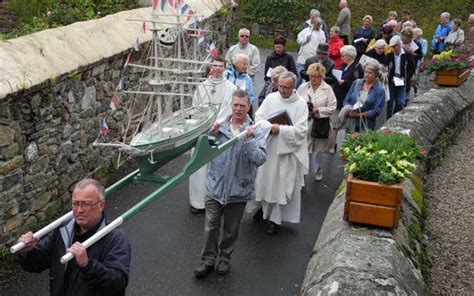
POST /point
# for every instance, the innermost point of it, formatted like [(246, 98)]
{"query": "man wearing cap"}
[(401, 66), (308, 39), (322, 56), (244, 47)]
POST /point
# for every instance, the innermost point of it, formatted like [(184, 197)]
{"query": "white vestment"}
[(281, 177), (214, 91)]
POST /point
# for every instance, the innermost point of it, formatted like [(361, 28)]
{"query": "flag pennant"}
[(163, 4), (120, 84), (103, 126), (144, 26), (155, 4), (136, 45), (128, 59), (190, 15), (113, 103), (210, 45), (184, 7), (201, 38)]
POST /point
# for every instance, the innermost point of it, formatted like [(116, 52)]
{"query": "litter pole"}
[(43, 231)]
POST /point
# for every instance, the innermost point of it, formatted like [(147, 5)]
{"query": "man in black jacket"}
[(401, 67), (323, 58), (102, 269)]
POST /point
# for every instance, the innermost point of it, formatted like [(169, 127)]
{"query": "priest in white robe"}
[(216, 90), (280, 179)]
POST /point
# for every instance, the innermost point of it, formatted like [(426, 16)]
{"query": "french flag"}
[(103, 126)]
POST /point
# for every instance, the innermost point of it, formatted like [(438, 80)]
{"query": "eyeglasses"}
[(244, 36), (84, 204)]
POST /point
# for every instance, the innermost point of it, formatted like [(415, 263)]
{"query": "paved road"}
[(166, 241)]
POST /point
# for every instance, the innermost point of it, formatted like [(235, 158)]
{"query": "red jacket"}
[(335, 43)]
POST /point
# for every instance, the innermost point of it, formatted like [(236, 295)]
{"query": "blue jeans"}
[(299, 68), (397, 99)]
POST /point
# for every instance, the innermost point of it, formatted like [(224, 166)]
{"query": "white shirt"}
[(397, 62), (308, 49)]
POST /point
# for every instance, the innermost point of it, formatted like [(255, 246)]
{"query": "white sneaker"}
[(318, 176)]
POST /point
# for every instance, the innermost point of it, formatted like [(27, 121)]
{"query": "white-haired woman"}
[(368, 95), (272, 86), (237, 74), (378, 52), (322, 104), (351, 70)]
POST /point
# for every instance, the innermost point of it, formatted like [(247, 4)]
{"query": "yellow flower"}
[(383, 152)]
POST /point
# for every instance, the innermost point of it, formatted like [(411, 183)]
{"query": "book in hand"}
[(280, 116)]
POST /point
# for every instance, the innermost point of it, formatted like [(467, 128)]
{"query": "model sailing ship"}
[(164, 111)]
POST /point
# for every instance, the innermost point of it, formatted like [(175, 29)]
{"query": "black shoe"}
[(258, 216), (203, 271), (195, 211), (273, 228), (223, 267)]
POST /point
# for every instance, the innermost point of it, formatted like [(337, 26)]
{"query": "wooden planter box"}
[(372, 203), (452, 77)]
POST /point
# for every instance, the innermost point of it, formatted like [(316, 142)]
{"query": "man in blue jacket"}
[(102, 269), (230, 184)]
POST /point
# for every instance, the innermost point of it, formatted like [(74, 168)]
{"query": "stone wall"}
[(54, 86), (352, 259)]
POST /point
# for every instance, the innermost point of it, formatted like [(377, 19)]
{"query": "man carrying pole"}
[(230, 184), (100, 270)]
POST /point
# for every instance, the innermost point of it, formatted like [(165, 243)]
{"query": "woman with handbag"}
[(322, 104)]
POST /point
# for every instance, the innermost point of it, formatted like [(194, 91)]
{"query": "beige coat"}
[(325, 101)]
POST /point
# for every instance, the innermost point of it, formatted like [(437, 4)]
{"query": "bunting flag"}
[(103, 126), (211, 48), (136, 45), (128, 59), (175, 3), (201, 38), (191, 15), (113, 103), (184, 8), (155, 4), (144, 26), (120, 84), (163, 4)]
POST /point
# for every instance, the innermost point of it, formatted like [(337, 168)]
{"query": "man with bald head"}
[(102, 269)]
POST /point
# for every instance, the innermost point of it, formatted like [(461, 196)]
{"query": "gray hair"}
[(316, 21), (407, 24), (314, 12), (91, 182), (240, 93), (445, 14), (471, 16), (238, 58), (349, 50), (373, 65), (277, 71), (380, 43), (418, 31), (336, 29), (244, 30), (288, 74)]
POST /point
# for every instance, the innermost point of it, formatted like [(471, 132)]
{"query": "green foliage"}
[(74, 75), (383, 157), (37, 15), (5, 253)]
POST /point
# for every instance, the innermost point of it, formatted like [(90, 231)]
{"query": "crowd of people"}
[(341, 80)]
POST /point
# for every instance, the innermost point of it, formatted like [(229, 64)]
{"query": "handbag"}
[(320, 128)]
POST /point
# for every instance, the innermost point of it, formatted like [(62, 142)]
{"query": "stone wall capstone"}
[(54, 86), (351, 259)]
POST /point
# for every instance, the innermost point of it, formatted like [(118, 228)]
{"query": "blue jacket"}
[(232, 75), (443, 32), (232, 174), (105, 274), (375, 100)]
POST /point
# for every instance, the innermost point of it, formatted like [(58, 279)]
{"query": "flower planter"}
[(453, 77), (372, 203)]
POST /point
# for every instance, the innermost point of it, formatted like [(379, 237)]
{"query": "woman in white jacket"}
[(322, 104)]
